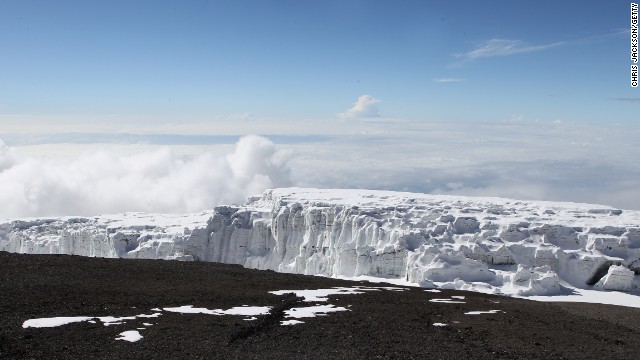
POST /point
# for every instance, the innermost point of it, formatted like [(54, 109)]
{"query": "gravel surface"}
[(378, 324)]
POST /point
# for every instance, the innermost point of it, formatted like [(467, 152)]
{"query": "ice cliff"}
[(484, 244)]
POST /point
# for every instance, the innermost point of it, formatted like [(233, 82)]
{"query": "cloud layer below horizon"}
[(521, 159)]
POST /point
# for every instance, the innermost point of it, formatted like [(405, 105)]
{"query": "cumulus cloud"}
[(6, 158), (366, 106), (154, 181)]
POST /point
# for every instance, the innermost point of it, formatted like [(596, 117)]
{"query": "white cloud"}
[(449, 80), (366, 106), (504, 47), (153, 181)]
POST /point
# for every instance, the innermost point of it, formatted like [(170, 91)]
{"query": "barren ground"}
[(380, 324)]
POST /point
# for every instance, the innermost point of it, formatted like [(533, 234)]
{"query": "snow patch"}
[(312, 311), (291, 322), (482, 312), (130, 336), (53, 322), (447, 301)]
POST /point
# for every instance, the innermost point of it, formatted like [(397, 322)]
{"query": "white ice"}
[(491, 245)]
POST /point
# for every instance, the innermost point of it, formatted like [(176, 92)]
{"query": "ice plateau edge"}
[(485, 244)]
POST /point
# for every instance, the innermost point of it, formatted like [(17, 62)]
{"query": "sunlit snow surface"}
[(240, 310), (447, 301), (593, 296), (130, 336), (53, 322), (480, 312), (321, 294), (312, 311)]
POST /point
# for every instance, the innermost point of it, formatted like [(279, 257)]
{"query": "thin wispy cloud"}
[(449, 80), (504, 47), (629, 100), (365, 107)]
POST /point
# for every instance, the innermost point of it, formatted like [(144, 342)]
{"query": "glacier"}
[(492, 245)]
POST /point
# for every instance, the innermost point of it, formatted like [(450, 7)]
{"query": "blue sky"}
[(486, 98), (313, 59)]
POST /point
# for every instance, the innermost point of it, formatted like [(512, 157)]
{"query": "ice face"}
[(482, 244)]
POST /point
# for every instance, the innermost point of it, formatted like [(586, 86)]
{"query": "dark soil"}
[(381, 324)]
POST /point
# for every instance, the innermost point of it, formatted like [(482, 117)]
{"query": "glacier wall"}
[(483, 244)]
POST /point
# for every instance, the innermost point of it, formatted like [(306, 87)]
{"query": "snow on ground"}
[(250, 312), (240, 310), (594, 296), (319, 295), (447, 301), (53, 322), (312, 311), (130, 336), (480, 312), (291, 322)]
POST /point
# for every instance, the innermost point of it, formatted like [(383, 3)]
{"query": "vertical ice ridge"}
[(491, 244)]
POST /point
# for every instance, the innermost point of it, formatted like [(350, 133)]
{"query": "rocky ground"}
[(380, 324)]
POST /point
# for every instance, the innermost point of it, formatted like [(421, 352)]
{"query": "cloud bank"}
[(520, 159), (154, 181), (366, 106), (527, 160)]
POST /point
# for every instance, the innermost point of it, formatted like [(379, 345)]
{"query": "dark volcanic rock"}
[(380, 324)]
